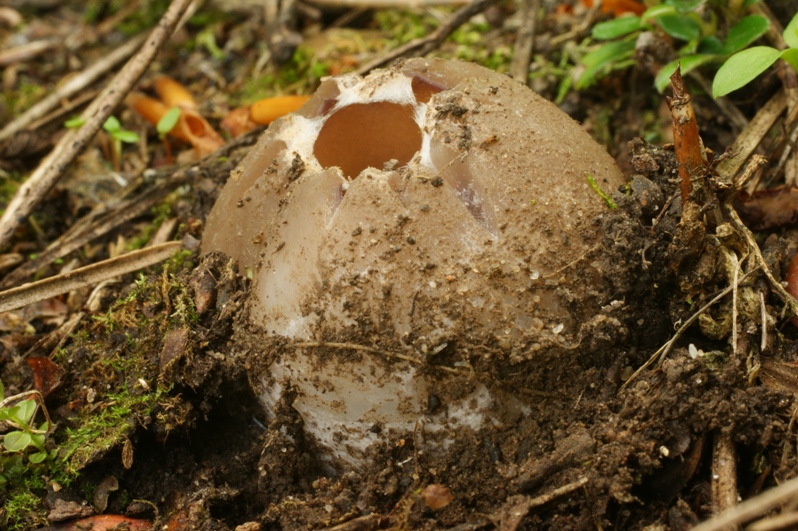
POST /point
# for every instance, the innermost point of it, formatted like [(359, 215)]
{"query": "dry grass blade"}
[(71, 144), (85, 276)]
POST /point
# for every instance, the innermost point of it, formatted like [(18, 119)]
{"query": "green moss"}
[(300, 75), (403, 26), (23, 510)]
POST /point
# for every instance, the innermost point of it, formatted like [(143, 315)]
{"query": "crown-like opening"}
[(367, 135)]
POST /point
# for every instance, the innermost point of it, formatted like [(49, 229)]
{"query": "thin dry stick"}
[(556, 493), (71, 87), (525, 41), (71, 144), (752, 508), (424, 45), (85, 276), (724, 473), (775, 523)]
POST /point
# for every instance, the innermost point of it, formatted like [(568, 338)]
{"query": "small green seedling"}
[(679, 20), (743, 67), (118, 136), (74, 122), (17, 415), (168, 122)]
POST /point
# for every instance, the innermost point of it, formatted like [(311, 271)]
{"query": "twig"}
[(525, 41), (71, 87), (85, 276), (71, 144), (25, 52), (752, 508), (724, 473), (424, 45), (556, 493)]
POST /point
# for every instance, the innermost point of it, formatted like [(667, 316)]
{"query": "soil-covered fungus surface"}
[(424, 296)]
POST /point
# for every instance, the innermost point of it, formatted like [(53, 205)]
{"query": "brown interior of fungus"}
[(423, 89), (364, 135)]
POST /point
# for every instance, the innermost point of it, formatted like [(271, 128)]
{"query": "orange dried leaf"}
[(268, 110), (195, 129), (172, 93), (237, 122), (619, 7)]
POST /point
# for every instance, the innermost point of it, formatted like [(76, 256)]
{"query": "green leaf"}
[(74, 123), (791, 32), (37, 439), (16, 441), (656, 12), (750, 2), (616, 28), (710, 45), (38, 457), (683, 6), (746, 31), (168, 121), (742, 68), (603, 59), (112, 124), (791, 56), (2, 391), (688, 62), (129, 137), (23, 412), (679, 27)]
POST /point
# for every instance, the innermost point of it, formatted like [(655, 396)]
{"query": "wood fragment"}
[(525, 41), (750, 138), (85, 276), (53, 167), (422, 46), (724, 473)]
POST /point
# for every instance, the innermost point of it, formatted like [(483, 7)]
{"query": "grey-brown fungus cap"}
[(432, 204)]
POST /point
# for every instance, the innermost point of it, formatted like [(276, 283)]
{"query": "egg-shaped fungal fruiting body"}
[(407, 232)]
